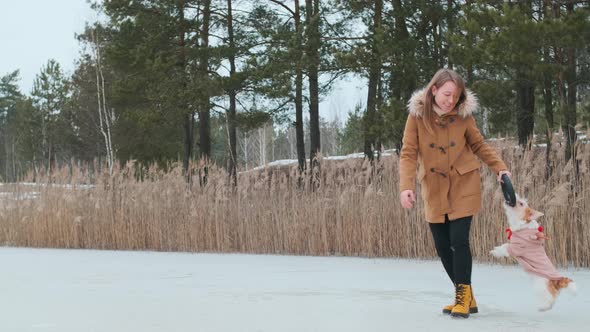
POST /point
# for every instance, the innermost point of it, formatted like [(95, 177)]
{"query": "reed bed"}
[(354, 212)]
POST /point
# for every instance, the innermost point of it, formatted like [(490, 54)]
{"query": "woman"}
[(442, 139)]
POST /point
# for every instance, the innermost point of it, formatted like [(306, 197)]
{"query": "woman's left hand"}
[(502, 173)]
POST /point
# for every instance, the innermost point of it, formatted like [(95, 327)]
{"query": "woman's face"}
[(446, 96)]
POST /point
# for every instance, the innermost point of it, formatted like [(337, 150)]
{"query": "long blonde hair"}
[(441, 77)]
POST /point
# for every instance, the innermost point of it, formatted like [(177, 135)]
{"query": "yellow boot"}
[(462, 300), (472, 306)]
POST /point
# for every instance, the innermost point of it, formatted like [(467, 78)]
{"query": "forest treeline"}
[(239, 83)]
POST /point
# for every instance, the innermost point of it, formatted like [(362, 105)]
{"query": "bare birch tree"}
[(106, 117)]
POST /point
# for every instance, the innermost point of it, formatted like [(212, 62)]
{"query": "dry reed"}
[(354, 212)]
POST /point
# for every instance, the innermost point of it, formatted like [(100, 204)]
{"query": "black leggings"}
[(451, 240)]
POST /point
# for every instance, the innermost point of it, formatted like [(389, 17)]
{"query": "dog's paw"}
[(547, 304), (497, 252), (572, 288), (545, 307), (500, 251)]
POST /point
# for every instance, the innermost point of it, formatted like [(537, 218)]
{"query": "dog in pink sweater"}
[(526, 243)]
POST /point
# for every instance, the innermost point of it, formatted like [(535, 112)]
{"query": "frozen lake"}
[(111, 291)]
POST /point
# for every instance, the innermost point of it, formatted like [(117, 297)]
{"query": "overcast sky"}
[(34, 31)]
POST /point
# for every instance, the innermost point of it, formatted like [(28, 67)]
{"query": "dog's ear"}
[(531, 214)]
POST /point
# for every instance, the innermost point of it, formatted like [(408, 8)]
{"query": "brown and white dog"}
[(526, 243)]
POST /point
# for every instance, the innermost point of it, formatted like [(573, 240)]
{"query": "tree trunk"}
[(403, 76), (204, 115), (369, 122), (561, 88), (436, 42), (299, 134), (8, 157), (232, 100), (525, 93), (188, 116), (313, 45), (570, 109), (15, 173), (399, 87), (548, 99), (105, 120), (450, 29)]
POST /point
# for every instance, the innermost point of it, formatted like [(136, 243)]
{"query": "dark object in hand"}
[(508, 190)]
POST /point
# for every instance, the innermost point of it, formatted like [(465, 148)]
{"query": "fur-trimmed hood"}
[(416, 103)]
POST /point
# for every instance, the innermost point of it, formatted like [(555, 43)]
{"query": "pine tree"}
[(351, 136), (50, 94), (9, 98)]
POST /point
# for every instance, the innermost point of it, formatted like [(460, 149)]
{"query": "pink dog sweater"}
[(529, 251)]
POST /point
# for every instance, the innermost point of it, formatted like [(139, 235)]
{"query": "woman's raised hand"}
[(502, 173)]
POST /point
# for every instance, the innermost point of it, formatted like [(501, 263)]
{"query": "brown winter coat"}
[(448, 169)]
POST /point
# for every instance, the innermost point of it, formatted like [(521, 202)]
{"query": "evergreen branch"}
[(284, 6), (333, 79), (332, 69), (214, 105), (218, 37), (331, 26), (280, 107), (345, 38), (241, 104)]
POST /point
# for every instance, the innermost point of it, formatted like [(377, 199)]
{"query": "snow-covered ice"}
[(55, 185), (288, 162), (19, 196), (111, 291)]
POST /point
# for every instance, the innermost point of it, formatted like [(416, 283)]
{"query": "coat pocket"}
[(467, 167), (469, 180)]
